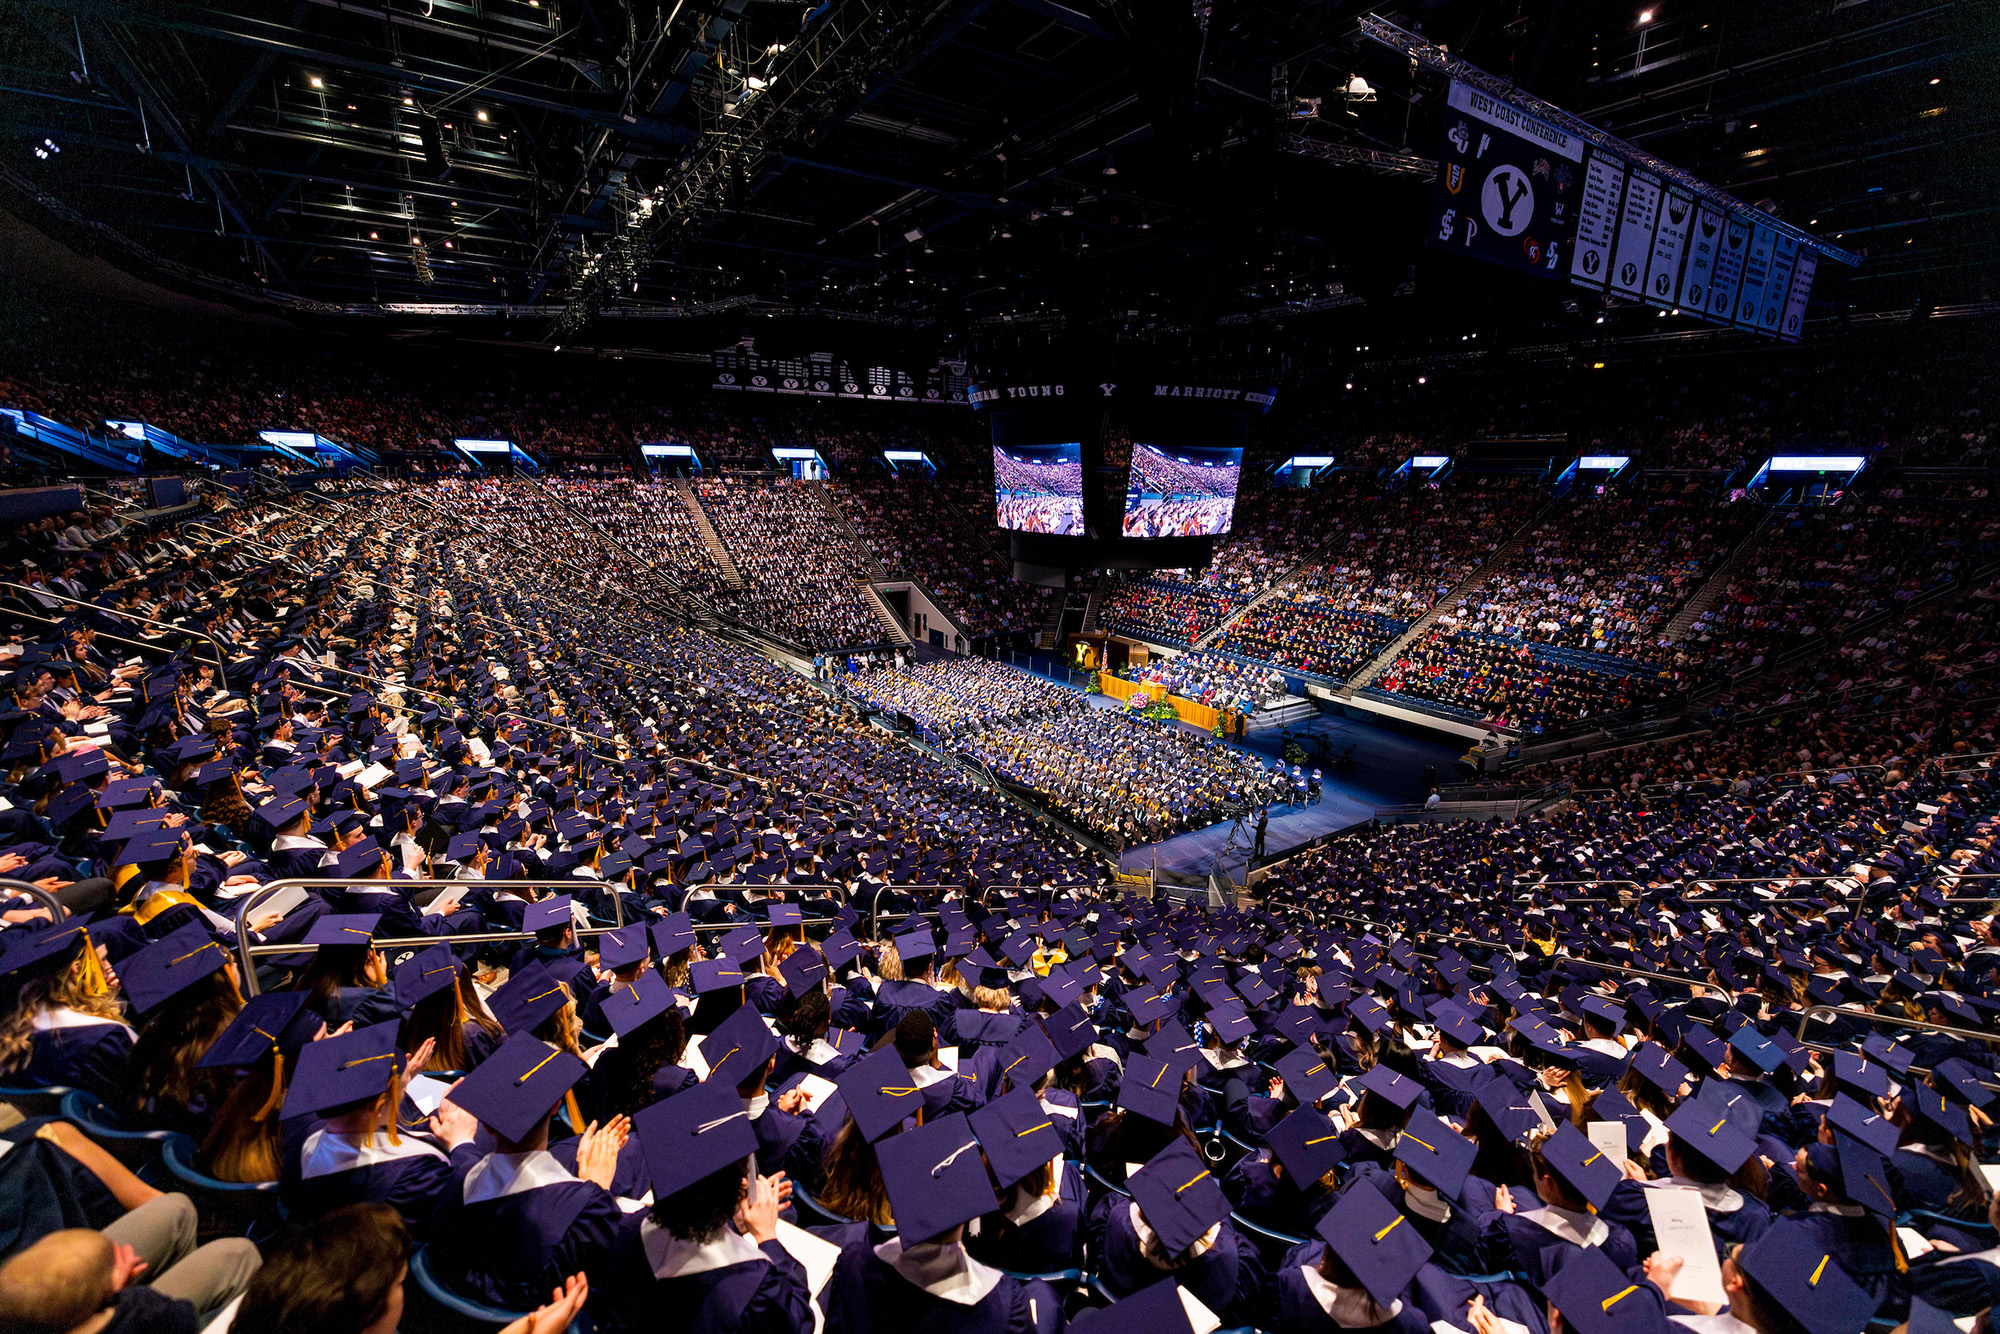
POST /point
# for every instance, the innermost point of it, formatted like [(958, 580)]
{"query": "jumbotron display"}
[(1039, 488), (1187, 491)]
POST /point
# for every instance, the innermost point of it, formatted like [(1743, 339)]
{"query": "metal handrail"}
[(57, 912), (221, 672), (1841, 1011)]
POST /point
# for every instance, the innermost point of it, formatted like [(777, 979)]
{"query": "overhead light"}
[(1110, 165), (1421, 379), (409, 101), (482, 115), (374, 236), (1350, 384), (1935, 82), (1645, 16), (316, 82), (1597, 365)]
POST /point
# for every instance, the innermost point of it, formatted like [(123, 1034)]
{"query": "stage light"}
[(1645, 16), (1110, 165), (482, 115), (316, 82), (1350, 384), (1421, 379), (1936, 82)]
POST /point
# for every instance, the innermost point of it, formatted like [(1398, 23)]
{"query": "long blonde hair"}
[(66, 989)]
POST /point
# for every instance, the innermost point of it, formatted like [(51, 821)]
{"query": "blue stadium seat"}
[(37, 1101), (134, 1148), (251, 1208)]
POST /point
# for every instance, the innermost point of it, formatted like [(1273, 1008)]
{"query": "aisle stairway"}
[(1449, 602), (711, 539), (1707, 595), (863, 553)]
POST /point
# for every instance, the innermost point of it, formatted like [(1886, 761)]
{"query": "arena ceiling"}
[(995, 167)]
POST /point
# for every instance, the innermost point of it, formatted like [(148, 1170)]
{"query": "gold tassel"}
[(95, 983), (1896, 1250), (395, 1109), (575, 1113), (277, 1097)]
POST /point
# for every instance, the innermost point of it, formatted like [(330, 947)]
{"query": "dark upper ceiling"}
[(978, 170)]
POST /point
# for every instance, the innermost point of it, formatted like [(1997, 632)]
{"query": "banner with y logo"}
[(1507, 185)]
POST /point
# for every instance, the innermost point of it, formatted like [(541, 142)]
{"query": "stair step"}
[(711, 539)]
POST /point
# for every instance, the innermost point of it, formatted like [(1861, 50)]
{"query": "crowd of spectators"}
[(1507, 685), (802, 575), (936, 529), (1303, 637), (1164, 609)]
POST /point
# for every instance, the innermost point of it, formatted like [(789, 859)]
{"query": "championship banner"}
[(1728, 268), (1756, 272), (1704, 239), (1634, 250), (1507, 185), (1670, 239), (1597, 220), (1778, 287), (1794, 318)]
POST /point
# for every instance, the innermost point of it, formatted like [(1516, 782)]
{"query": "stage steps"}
[(1291, 711), (711, 539), (876, 603)]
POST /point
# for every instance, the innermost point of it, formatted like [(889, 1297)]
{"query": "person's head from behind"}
[(340, 1275), (58, 1283)]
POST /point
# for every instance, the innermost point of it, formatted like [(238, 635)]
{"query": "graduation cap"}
[(706, 975), (159, 972), (1436, 1152), (879, 1093), (1070, 1031), (1151, 1088), (739, 1046), (528, 999), (520, 1083), (154, 847), (1800, 1278), (1306, 1074), (693, 1135), (1375, 1241), (364, 859), (270, 1019), (69, 803), (1653, 1064), (1863, 1123), (423, 974), (1959, 1079), (1028, 1057), (1940, 1112), (547, 914), (1891, 1054), (1596, 1297), (622, 948), (1759, 1050), (1159, 1309), (935, 1178), (1017, 1135), (1179, 1196), (672, 934), (345, 1069), (1708, 1130), (1572, 1157), (1864, 1077), (1384, 1083)]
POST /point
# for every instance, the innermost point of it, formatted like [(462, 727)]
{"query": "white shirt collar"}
[(1582, 1229), (1350, 1308), (49, 1019)]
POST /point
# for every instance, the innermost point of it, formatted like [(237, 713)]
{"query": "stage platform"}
[(1388, 771)]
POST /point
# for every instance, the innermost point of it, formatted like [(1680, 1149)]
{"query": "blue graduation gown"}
[(1860, 1245), (1516, 1243), (81, 1051), (866, 1296), (1044, 1244), (319, 1172), (764, 1296), (511, 1250), (1958, 1287), (1228, 1278), (1921, 1183), (1300, 1313)]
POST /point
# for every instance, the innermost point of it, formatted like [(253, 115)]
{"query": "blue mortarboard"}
[(1028, 1057), (72, 801), (1960, 1079), (519, 1084), (1708, 1130), (1790, 1267), (1375, 1241), (633, 1003), (1583, 1165), (935, 1178), (1863, 1123), (623, 947), (1457, 1026), (343, 1070), (1384, 1083), (1179, 1195), (1595, 1296), (1761, 1051), (1436, 1152), (1017, 1135), (672, 934), (50, 947), (1307, 1144), (879, 1094), (343, 929), (150, 848), (1861, 1074), (547, 914), (693, 1135), (168, 966), (1306, 1074), (1653, 1064), (1070, 1031), (1151, 1089), (424, 974), (1897, 1058), (270, 1019), (1934, 1108), (1154, 1310), (739, 1046), (364, 859), (840, 948), (706, 975), (916, 944), (528, 999)]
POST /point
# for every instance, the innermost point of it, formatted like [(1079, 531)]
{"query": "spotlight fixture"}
[(1110, 165)]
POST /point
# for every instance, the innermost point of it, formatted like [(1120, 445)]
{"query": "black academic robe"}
[(866, 1296)]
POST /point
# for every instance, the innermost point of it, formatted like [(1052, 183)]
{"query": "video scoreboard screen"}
[(1039, 488), (1181, 491)]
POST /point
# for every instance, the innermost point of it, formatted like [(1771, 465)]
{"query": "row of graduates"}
[(1204, 1022)]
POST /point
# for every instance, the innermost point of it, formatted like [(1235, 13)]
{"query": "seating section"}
[(1217, 681), (801, 571)]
